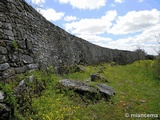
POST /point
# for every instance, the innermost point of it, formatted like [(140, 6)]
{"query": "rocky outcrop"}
[(28, 41)]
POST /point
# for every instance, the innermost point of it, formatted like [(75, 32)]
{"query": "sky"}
[(116, 24)]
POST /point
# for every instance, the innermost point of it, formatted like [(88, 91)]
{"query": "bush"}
[(156, 68)]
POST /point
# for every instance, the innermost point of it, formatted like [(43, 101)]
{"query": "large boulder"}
[(84, 87), (105, 89), (78, 85)]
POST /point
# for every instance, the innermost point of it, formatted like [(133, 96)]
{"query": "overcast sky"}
[(117, 24)]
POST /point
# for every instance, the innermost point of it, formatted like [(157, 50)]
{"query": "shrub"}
[(156, 68)]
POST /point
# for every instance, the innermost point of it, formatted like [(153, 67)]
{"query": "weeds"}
[(135, 88), (137, 91), (15, 45)]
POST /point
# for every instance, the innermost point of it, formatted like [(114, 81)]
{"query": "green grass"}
[(137, 91)]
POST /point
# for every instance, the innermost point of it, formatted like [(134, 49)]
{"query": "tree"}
[(140, 53)]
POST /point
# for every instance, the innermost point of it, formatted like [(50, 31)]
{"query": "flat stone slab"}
[(78, 85), (103, 88), (82, 86)]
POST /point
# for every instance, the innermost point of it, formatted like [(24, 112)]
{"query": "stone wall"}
[(28, 41)]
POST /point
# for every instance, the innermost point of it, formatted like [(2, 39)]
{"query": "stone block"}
[(22, 44), (29, 44), (7, 26), (27, 59), (2, 43), (83, 87), (105, 89), (3, 50), (14, 57), (3, 59), (8, 73), (20, 70), (8, 32), (4, 66), (32, 66)]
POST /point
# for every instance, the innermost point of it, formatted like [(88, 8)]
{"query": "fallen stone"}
[(83, 87), (105, 89), (21, 87), (95, 77), (78, 85)]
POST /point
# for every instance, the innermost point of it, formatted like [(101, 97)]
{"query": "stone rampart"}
[(28, 41)]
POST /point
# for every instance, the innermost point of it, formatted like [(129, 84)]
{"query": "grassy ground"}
[(137, 92)]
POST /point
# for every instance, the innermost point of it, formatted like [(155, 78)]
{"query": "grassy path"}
[(137, 92)]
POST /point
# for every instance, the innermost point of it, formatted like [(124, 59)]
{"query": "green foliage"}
[(10, 99), (156, 68), (137, 91), (50, 69), (15, 45), (131, 83)]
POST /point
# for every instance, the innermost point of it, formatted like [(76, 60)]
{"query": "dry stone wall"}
[(28, 41)]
